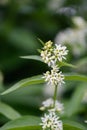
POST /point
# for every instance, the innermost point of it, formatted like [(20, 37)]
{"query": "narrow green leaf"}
[(32, 57), (38, 58), (41, 41), (75, 77), (67, 64), (75, 101), (8, 111), (38, 79), (25, 82), (23, 123)]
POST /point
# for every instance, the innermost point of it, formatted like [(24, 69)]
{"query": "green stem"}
[(55, 95)]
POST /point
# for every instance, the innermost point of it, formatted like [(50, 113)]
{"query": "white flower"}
[(60, 52), (51, 54), (46, 54), (51, 121), (54, 77), (47, 58), (49, 103), (48, 45)]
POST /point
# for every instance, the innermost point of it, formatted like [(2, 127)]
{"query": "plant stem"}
[(55, 95)]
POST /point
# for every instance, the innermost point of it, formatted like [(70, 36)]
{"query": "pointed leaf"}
[(41, 41), (8, 111), (38, 79), (23, 123), (25, 82), (38, 58), (67, 64), (32, 57), (75, 77)]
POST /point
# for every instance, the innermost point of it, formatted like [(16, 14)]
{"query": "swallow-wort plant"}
[(54, 114), (52, 55)]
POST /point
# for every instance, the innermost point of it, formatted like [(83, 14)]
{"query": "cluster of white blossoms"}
[(54, 77), (51, 121), (49, 104), (53, 55)]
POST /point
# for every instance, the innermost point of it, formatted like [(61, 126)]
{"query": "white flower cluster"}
[(49, 104), (54, 77), (46, 53), (52, 55), (60, 52), (51, 121)]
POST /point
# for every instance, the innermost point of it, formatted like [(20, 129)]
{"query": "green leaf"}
[(71, 125), (32, 57), (41, 41), (67, 64), (75, 77), (23, 123), (25, 82), (38, 58), (8, 111), (38, 79), (76, 99), (33, 123)]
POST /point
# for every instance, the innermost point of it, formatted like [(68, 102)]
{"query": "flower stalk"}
[(55, 95)]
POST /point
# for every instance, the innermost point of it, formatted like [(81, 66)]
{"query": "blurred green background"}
[(22, 22)]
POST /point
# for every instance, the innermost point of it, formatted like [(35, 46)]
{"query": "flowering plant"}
[(54, 112), (52, 55)]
